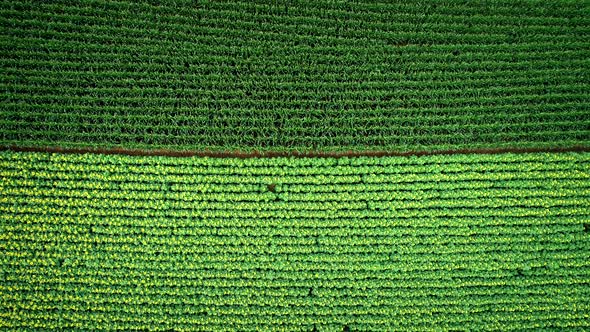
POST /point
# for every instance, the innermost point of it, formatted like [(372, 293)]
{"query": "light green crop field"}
[(295, 75), (94, 242)]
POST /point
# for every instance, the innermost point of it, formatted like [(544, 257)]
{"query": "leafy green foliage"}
[(304, 75), (96, 242)]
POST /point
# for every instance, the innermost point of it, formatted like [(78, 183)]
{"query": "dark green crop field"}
[(463, 242), (295, 75)]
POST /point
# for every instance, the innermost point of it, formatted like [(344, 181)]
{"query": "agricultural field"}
[(97, 242), (295, 75), (294, 165)]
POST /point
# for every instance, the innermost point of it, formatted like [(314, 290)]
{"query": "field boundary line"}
[(275, 154)]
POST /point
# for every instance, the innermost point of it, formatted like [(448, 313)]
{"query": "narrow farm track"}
[(295, 75), (102, 242)]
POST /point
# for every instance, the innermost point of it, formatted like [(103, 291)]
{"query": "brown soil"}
[(270, 154)]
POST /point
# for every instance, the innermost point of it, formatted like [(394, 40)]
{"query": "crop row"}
[(302, 15), (434, 165), (228, 26)]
